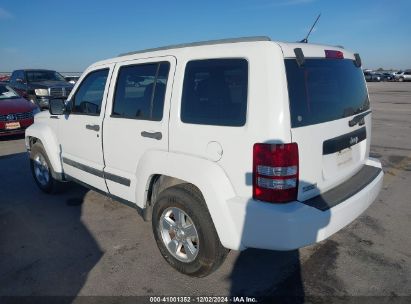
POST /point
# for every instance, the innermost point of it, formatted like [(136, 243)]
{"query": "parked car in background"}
[(71, 79), (371, 76), (388, 76), (39, 86), (403, 76), (4, 78), (16, 113), (379, 76)]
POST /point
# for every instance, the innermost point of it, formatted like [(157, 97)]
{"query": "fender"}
[(46, 135), (208, 176)]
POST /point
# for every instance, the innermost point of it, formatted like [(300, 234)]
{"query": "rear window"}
[(324, 89)]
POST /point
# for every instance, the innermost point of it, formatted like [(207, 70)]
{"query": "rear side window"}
[(215, 92), (140, 91), (325, 89)]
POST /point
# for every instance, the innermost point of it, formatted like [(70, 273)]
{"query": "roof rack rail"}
[(200, 43)]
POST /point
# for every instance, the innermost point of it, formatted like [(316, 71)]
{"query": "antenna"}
[(305, 40)]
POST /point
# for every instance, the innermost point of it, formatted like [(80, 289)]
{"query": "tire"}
[(207, 253), (401, 79), (42, 170)]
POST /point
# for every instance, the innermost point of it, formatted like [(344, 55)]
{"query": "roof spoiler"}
[(299, 56), (357, 60)]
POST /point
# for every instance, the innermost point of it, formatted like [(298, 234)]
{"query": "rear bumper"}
[(294, 225)]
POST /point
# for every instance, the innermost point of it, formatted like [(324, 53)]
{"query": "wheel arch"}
[(44, 134), (159, 170)]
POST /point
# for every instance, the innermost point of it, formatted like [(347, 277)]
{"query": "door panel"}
[(81, 130), (136, 120)]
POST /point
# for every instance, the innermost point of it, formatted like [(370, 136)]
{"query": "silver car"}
[(403, 76)]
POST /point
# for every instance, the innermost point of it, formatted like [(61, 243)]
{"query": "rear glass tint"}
[(140, 91), (325, 89), (215, 92)]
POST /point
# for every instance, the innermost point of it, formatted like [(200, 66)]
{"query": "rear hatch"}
[(330, 119)]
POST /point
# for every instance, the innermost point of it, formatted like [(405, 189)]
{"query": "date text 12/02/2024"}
[(205, 299)]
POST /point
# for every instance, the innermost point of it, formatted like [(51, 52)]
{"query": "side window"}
[(407, 73), (87, 100), (13, 77), (215, 92), (21, 76), (17, 75), (140, 91)]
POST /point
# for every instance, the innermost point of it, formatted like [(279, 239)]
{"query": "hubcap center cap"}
[(180, 233)]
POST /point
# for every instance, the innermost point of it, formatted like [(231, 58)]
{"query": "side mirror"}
[(57, 106)]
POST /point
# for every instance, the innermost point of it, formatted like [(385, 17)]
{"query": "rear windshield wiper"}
[(350, 111), (359, 119)]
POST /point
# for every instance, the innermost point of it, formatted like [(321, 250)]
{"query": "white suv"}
[(226, 144)]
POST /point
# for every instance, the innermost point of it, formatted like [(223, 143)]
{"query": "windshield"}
[(7, 93), (325, 89), (35, 76)]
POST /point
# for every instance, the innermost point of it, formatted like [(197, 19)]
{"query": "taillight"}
[(275, 172), (334, 54)]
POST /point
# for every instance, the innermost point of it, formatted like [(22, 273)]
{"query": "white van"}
[(226, 144)]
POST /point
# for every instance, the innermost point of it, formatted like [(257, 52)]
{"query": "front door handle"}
[(93, 127), (154, 135)]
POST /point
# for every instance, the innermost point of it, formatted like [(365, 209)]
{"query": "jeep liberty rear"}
[(231, 144), (325, 97)]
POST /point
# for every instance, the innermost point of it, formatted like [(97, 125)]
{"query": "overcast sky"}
[(70, 35)]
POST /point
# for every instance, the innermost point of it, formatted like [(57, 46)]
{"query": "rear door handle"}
[(154, 135), (93, 127)]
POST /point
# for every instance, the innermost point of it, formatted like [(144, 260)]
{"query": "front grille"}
[(56, 92), (18, 116), (59, 92)]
